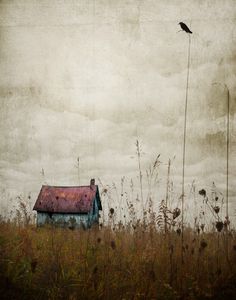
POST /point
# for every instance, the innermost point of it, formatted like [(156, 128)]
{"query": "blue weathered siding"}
[(70, 220), (94, 214)]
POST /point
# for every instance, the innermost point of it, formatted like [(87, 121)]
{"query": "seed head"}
[(202, 193), (178, 231), (33, 265), (113, 245), (176, 212), (203, 244), (202, 227), (219, 226), (171, 248)]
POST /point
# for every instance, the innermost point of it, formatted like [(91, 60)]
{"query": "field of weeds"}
[(138, 251), (125, 263)]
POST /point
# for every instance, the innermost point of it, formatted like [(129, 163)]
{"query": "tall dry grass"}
[(131, 255), (140, 263)]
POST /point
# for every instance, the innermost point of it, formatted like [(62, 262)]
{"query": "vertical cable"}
[(184, 148), (227, 161), (227, 179)]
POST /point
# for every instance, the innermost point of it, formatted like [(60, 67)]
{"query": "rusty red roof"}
[(71, 199)]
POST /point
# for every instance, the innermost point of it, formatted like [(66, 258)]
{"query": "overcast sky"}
[(88, 78)]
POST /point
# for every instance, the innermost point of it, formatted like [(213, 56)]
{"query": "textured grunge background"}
[(87, 78)]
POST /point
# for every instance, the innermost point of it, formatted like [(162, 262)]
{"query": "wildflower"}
[(226, 222), (219, 226), (202, 227), (178, 231), (171, 248), (113, 245), (33, 265), (203, 244), (216, 209), (104, 191), (176, 212), (202, 193)]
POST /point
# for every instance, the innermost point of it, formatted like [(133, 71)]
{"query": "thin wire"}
[(227, 179), (184, 147), (227, 163)]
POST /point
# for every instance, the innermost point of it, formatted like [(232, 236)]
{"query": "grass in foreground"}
[(50, 263)]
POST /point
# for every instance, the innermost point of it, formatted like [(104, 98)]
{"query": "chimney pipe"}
[(92, 182)]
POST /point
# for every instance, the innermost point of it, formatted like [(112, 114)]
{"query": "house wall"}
[(70, 220), (94, 213)]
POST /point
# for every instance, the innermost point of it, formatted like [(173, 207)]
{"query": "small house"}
[(70, 206)]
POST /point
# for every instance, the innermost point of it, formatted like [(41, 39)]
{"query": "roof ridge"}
[(66, 186)]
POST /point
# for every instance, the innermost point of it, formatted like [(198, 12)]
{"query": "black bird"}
[(185, 27)]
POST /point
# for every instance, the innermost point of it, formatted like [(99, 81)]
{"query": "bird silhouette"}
[(185, 27)]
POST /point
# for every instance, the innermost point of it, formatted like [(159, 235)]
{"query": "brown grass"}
[(50, 263), (130, 256)]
